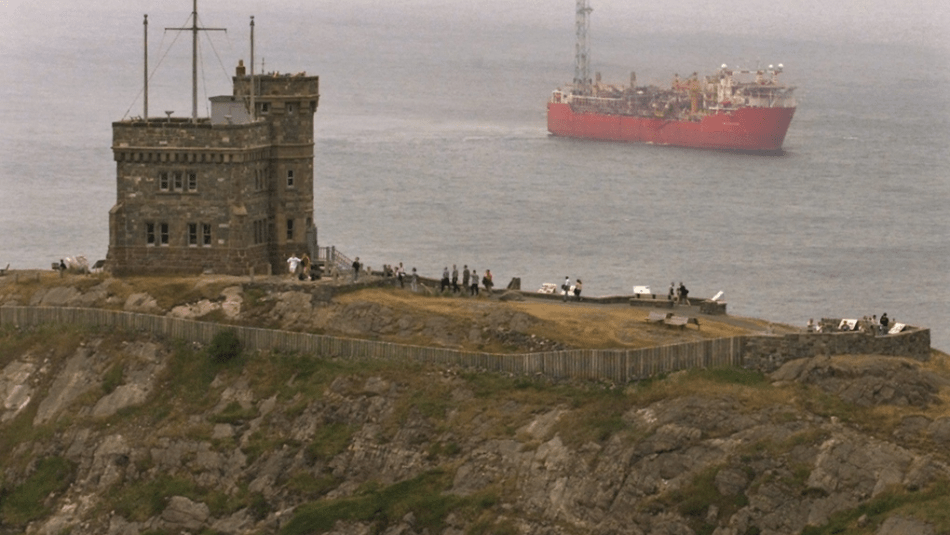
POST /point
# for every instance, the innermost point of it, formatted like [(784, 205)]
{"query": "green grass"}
[(26, 502), (112, 379), (305, 485), (142, 499), (694, 499), (929, 505), (234, 414), (329, 440), (56, 341), (422, 495)]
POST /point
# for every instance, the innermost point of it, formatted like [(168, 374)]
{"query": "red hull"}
[(745, 129)]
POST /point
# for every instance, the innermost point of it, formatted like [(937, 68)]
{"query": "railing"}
[(330, 256), (761, 352)]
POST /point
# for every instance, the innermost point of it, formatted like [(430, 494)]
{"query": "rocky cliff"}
[(123, 433)]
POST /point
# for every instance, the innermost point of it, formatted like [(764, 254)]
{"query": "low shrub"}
[(225, 346)]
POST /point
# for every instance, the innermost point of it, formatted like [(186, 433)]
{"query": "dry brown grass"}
[(576, 325)]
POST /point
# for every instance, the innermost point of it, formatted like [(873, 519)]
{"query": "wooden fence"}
[(615, 365)]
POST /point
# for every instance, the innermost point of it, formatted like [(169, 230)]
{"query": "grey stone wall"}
[(768, 353)]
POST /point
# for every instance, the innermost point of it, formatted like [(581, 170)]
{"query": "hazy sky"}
[(909, 21)]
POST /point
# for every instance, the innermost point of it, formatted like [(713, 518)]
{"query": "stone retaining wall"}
[(767, 353)]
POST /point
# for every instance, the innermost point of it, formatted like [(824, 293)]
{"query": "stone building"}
[(224, 194)]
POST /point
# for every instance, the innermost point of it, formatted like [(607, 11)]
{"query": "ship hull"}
[(747, 129)]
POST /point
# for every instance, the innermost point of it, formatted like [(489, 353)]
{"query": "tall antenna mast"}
[(194, 56), (582, 49), (145, 107), (253, 83)]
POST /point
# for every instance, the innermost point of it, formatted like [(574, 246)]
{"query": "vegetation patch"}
[(930, 505), (143, 499), (695, 499), (310, 487), (225, 346), (112, 379), (234, 414), (424, 496), (330, 440), (28, 501), (56, 341)]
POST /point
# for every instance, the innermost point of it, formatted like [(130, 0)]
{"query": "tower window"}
[(206, 235), (179, 180), (192, 234), (192, 181), (164, 233), (163, 181), (290, 230), (290, 178), (265, 107), (260, 231), (149, 233)]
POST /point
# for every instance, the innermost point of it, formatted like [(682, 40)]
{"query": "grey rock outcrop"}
[(897, 525), (141, 302), (16, 389), (183, 513)]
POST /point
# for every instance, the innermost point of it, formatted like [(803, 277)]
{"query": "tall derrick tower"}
[(582, 80)]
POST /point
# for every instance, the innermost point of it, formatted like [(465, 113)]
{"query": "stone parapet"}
[(767, 353)]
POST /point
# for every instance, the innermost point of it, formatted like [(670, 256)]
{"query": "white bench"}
[(676, 321), (547, 288), (657, 317)]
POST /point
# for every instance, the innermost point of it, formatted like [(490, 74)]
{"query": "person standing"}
[(455, 279), (577, 290), (565, 287), (292, 264), (401, 274), (305, 267), (465, 276), (356, 269), (487, 281), (445, 279), (684, 294), (885, 323), (415, 280), (671, 296), (474, 289)]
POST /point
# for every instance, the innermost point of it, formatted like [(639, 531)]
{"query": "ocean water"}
[(431, 148)]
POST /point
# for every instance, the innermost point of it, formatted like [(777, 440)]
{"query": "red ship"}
[(734, 109)]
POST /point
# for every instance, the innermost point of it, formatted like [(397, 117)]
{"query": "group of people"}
[(867, 324), (679, 295), (567, 288), (469, 280), (302, 268), (400, 273)]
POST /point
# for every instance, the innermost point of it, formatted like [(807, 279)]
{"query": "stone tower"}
[(223, 194)]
